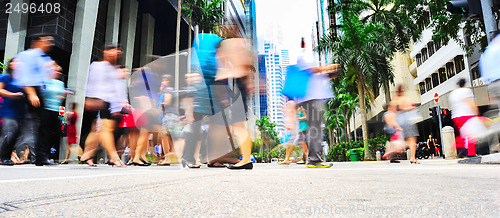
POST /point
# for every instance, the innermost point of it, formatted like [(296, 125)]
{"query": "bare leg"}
[(243, 136), (305, 149), (166, 145), (133, 136), (289, 150), (142, 143), (108, 141), (412, 141), (90, 147), (27, 153), (68, 152)]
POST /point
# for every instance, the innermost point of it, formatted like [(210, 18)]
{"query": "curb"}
[(486, 159)]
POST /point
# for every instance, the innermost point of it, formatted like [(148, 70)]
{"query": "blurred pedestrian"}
[(396, 142), (431, 145), (301, 137), (53, 93), (490, 72), (463, 111), (438, 148), (171, 125), (102, 90), (11, 112), (71, 117), (318, 91), (33, 71), (406, 118), (291, 130)]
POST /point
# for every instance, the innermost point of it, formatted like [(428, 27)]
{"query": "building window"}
[(425, 55), (435, 80), (430, 46), (419, 60), (437, 45), (450, 69), (442, 75), (422, 87), (459, 63), (428, 84), (475, 73)]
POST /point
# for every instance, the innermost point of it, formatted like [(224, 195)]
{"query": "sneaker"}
[(318, 165)]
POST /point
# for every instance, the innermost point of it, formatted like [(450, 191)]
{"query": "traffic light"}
[(446, 117), (433, 113), (468, 8)]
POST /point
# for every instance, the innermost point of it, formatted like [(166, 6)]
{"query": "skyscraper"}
[(276, 62), (262, 85)]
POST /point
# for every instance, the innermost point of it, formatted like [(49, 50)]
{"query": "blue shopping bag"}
[(296, 82)]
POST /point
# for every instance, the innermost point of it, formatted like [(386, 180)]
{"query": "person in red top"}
[(71, 117)]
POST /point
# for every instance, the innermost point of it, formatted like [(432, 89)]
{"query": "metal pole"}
[(440, 125), (490, 22), (177, 48)]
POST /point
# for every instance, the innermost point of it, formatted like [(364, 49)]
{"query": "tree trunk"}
[(355, 128), (345, 128), (349, 130), (364, 126), (387, 91), (332, 140)]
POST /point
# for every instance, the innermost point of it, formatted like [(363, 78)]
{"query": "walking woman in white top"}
[(102, 90)]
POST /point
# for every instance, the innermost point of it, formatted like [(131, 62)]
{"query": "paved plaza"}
[(434, 188)]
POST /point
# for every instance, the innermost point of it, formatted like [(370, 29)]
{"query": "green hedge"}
[(341, 152)]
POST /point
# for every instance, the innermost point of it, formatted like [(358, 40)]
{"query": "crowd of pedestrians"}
[(204, 122), (123, 110), (32, 95)]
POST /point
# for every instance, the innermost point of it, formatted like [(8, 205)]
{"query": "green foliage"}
[(341, 151), (206, 14), (268, 131), (257, 145), (258, 157), (268, 135), (278, 152), (446, 26), (3, 66)]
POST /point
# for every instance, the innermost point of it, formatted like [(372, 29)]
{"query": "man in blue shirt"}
[(31, 74)]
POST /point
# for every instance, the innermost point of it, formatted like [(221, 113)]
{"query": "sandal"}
[(216, 165), (163, 164), (189, 165), (414, 162), (91, 164)]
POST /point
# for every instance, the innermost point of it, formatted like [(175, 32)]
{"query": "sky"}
[(285, 22)]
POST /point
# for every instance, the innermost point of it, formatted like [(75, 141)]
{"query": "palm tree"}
[(399, 27), (359, 48), (206, 14)]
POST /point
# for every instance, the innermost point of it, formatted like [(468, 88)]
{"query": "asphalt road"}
[(434, 188)]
